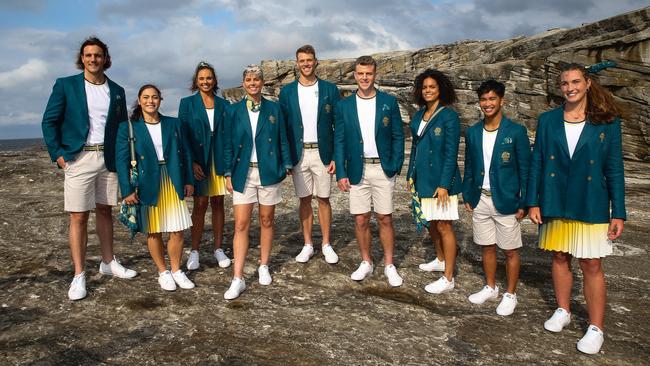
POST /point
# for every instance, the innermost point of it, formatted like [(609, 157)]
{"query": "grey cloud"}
[(22, 5)]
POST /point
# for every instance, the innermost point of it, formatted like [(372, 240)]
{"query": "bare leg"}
[(198, 220), (266, 232), (512, 269), (104, 228), (306, 219), (562, 279), (242, 214), (78, 237), (218, 219), (325, 218), (175, 250), (437, 241), (594, 289), (155, 244), (448, 238), (490, 264), (362, 233), (387, 236)]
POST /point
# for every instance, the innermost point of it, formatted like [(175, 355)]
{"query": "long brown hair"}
[(136, 114), (601, 106)]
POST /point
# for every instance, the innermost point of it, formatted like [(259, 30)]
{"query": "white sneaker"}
[(193, 261), (116, 269), (181, 280), (364, 270), (486, 293), (592, 341), (222, 258), (440, 286), (237, 286), (434, 265), (560, 319), (507, 305), (166, 281), (330, 255), (265, 276), (306, 253), (77, 289), (394, 278)]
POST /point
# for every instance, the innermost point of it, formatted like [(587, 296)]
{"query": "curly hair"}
[(94, 41), (446, 88)]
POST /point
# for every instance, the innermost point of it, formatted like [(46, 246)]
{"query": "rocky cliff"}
[(528, 66)]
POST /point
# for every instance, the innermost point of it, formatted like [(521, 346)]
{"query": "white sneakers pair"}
[(219, 255), (590, 343), (390, 271), (506, 306), (238, 285), (77, 290), (168, 280), (308, 251)]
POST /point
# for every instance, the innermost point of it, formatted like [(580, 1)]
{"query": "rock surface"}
[(312, 314)]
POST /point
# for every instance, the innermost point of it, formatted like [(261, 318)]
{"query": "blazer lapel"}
[(558, 126), (199, 110), (261, 118), (113, 95), (295, 101), (586, 135), (355, 115), (502, 131), (379, 111), (166, 133), (80, 88), (432, 120)]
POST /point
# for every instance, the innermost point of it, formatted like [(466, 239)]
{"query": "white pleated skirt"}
[(170, 214), (431, 210), (580, 239)]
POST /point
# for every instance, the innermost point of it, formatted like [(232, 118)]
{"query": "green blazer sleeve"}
[(227, 140), (398, 137), (535, 170), (339, 142), (613, 170), (522, 149), (52, 120), (284, 143), (452, 140), (123, 159), (414, 126), (468, 175)]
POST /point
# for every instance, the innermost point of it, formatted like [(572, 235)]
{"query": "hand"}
[(443, 197), (535, 215), (229, 184), (189, 190), (520, 214), (331, 168), (131, 199), (344, 184), (615, 229), (60, 162), (198, 172), (468, 207), (289, 171)]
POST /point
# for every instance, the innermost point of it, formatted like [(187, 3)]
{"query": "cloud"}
[(22, 5), (28, 73)]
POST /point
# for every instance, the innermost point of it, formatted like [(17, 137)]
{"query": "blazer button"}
[(201, 144), (591, 162), (430, 164), (141, 157), (430, 151), (240, 146), (300, 140), (552, 174), (269, 140), (361, 156), (361, 142), (271, 153), (237, 159), (552, 157), (589, 178), (482, 173)]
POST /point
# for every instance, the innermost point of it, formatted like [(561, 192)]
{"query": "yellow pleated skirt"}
[(580, 239), (215, 185), (170, 214)]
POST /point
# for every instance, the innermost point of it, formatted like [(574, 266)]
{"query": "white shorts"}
[(374, 191), (310, 176), (88, 182), (254, 192), (490, 227)]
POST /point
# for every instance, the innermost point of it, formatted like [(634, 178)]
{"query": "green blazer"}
[(177, 158), (584, 187), (196, 129), (508, 167), (433, 163), (328, 96), (270, 144), (348, 141), (66, 123)]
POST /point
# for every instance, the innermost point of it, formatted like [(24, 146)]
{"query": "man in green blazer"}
[(80, 126), (497, 157), (308, 106), (369, 152)]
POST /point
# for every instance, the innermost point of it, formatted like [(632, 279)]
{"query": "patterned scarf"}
[(252, 106)]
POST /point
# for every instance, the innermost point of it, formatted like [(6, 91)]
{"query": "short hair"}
[(94, 41), (253, 69), (306, 49), (203, 66), (365, 61), (445, 87), (491, 85)]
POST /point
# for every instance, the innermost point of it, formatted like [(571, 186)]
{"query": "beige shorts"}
[(491, 227), (88, 182), (254, 192), (374, 191), (310, 176)]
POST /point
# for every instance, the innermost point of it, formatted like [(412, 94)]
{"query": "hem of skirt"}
[(575, 255)]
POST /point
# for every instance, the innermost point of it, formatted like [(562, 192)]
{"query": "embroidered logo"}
[(437, 131), (602, 136), (385, 121), (328, 108), (505, 157), (272, 119)]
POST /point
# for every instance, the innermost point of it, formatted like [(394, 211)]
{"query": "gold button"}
[(269, 140), (589, 178), (482, 173), (237, 159), (591, 162), (271, 153), (552, 157), (240, 145), (552, 174), (141, 157)]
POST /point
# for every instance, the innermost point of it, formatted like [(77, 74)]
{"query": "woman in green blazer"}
[(164, 179), (257, 160), (202, 118), (433, 172), (576, 193)]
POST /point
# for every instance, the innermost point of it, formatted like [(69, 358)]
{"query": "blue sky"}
[(161, 41)]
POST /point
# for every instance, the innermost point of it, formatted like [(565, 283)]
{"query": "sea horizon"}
[(21, 144)]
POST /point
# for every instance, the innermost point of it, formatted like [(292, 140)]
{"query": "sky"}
[(161, 41)]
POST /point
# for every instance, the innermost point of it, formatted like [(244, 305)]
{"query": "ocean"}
[(21, 144)]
